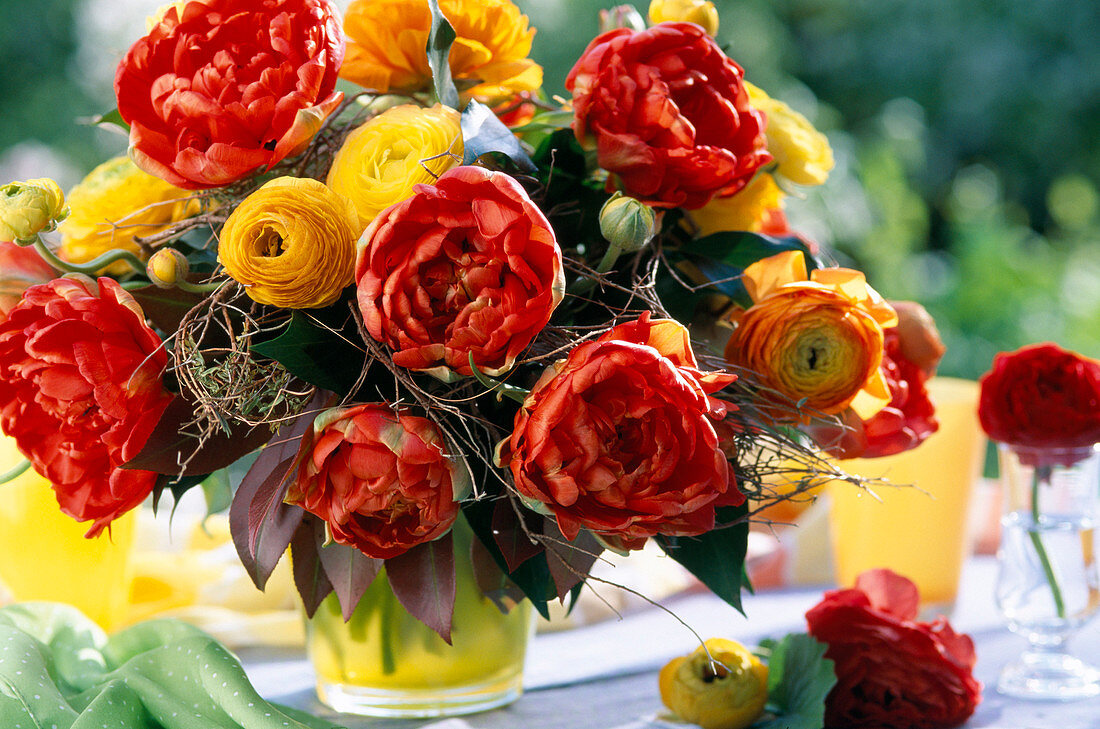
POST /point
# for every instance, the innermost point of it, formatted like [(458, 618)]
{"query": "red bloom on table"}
[(80, 391), (623, 438), (20, 268), (468, 266), (1041, 397), (892, 671), (668, 115), (380, 478), (220, 89)]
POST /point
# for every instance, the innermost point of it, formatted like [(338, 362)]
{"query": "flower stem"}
[(92, 266), (1042, 474), (387, 628), (15, 472)]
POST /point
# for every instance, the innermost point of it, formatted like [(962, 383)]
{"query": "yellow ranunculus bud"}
[(291, 243), (728, 692), (29, 208), (626, 223), (380, 161), (700, 12), (115, 203), (746, 210), (802, 153), (166, 267)]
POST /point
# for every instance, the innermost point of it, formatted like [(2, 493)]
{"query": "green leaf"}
[(741, 248), (111, 121), (799, 679), (440, 37), (315, 354), (483, 133), (716, 558), (218, 492)]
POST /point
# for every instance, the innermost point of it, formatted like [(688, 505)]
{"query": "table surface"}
[(605, 676)]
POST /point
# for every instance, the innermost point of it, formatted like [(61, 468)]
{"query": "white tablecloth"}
[(605, 676)]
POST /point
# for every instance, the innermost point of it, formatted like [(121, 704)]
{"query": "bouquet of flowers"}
[(374, 260)]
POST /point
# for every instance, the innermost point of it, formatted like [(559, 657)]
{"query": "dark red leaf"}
[(423, 579), (569, 562), (491, 580), (165, 308), (513, 542), (350, 572), (309, 575), (168, 447)]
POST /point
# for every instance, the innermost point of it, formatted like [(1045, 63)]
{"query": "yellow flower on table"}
[(489, 57), (749, 209), (719, 686), (113, 204), (817, 338), (802, 153), (701, 12), (381, 161), (291, 243), (29, 208)]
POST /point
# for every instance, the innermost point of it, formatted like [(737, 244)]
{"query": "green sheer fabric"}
[(58, 670)]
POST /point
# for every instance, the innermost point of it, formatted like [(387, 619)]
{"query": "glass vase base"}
[(419, 703), (1050, 677)]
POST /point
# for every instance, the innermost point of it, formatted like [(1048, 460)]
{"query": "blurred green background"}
[(967, 136)]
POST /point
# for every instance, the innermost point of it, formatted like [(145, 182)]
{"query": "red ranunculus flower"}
[(909, 418), (1041, 397), (466, 266), (622, 438), (20, 268), (892, 671), (80, 391), (219, 89), (379, 477), (668, 115)]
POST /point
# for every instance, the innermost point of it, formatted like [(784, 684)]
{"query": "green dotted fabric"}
[(58, 670)]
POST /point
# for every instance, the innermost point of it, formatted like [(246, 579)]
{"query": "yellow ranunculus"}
[(380, 161), (114, 203), (749, 209), (29, 208), (291, 243), (728, 692), (817, 339), (701, 12), (802, 153), (386, 41)]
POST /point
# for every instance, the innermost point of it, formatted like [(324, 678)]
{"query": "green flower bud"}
[(621, 16), (167, 267), (627, 223), (29, 208)]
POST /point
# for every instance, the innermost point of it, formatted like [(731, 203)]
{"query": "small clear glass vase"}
[(1048, 584), (384, 662)]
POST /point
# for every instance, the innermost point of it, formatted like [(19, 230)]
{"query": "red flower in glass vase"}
[(624, 438), (892, 671), (380, 478), (668, 115), (80, 391), (467, 266), (1041, 397), (219, 89)]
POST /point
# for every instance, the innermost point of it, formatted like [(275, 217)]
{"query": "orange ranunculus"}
[(381, 161), (818, 339), (468, 266), (220, 89), (291, 243), (668, 115), (387, 38), (624, 438), (379, 477), (81, 389)]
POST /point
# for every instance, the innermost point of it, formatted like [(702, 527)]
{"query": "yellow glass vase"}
[(385, 662), (44, 555)]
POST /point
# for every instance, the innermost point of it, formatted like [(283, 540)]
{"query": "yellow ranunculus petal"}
[(802, 154), (763, 277), (746, 210)]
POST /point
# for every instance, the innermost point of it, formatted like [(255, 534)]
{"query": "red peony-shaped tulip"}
[(623, 438), (1041, 397), (20, 268), (379, 477), (80, 391), (220, 89), (892, 671), (468, 266), (668, 114)]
